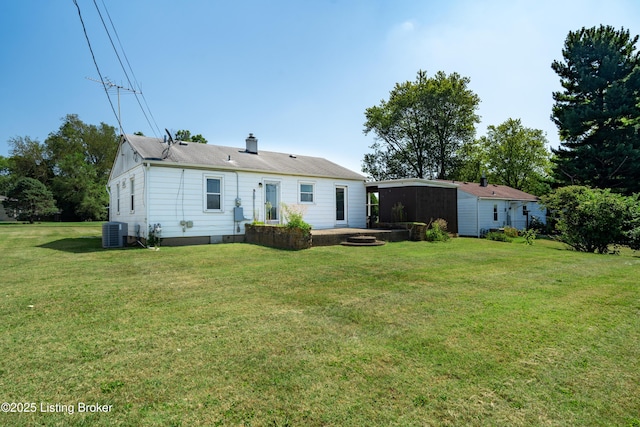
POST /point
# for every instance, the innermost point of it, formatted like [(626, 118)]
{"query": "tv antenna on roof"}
[(170, 141), (108, 84)]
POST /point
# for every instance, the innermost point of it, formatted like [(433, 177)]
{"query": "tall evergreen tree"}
[(30, 199), (598, 112)]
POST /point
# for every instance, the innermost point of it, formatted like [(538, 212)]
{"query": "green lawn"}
[(469, 332)]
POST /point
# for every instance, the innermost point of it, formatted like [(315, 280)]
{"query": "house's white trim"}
[(313, 192), (205, 177), (345, 221), (410, 182)]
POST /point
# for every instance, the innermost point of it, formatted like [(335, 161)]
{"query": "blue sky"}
[(297, 74)]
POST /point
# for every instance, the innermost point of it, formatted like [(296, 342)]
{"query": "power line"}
[(123, 67), (106, 91)]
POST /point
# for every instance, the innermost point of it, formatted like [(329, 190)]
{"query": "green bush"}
[(498, 236), (632, 233), (293, 215), (511, 232), (437, 232), (529, 236), (595, 220)]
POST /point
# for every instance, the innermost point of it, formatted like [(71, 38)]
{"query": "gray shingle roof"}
[(234, 158)]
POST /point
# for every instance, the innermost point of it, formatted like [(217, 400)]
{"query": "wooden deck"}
[(335, 236)]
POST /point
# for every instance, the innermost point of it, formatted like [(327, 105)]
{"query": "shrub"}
[(511, 232), (437, 232), (529, 236), (154, 239), (594, 220), (498, 236), (536, 224), (633, 230), (293, 215)]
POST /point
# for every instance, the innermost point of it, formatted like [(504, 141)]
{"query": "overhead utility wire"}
[(120, 61), (96, 64), (135, 80)]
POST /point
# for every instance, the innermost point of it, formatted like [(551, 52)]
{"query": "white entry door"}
[(341, 205), (272, 202)]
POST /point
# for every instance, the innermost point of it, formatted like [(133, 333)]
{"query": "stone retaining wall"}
[(277, 237)]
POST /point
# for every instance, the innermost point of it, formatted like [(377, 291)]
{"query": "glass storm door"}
[(271, 204), (341, 205)]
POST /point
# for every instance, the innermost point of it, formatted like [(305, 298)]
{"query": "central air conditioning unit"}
[(114, 234)]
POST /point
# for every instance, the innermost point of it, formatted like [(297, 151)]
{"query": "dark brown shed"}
[(423, 200)]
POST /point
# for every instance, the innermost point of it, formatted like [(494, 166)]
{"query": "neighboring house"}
[(469, 208), (483, 207), (422, 200), (201, 193)]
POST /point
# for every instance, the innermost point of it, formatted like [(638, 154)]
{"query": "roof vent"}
[(252, 144)]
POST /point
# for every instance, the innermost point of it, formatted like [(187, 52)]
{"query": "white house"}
[(484, 206), (201, 193)]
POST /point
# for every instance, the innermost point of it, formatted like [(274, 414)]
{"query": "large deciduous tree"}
[(29, 159), (421, 127), (598, 111), (82, 156), (517, 156)]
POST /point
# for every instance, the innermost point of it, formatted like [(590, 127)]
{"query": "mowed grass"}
[(469, 332)]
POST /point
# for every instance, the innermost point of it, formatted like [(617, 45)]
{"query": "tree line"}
[(66, 175), (426, 128), (590, 183)]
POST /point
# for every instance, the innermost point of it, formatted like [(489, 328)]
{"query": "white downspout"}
[(478, 217), (147, 206)]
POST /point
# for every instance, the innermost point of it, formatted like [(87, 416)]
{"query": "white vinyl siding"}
[(169, 196)]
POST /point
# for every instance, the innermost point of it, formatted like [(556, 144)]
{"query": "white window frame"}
[(313, 193), (132, 182), (205, 193)]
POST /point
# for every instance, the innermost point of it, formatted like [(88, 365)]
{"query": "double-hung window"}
[(213, 193), (306, 192)]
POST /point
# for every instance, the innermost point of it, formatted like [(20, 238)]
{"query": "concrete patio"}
[(335, 236)]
